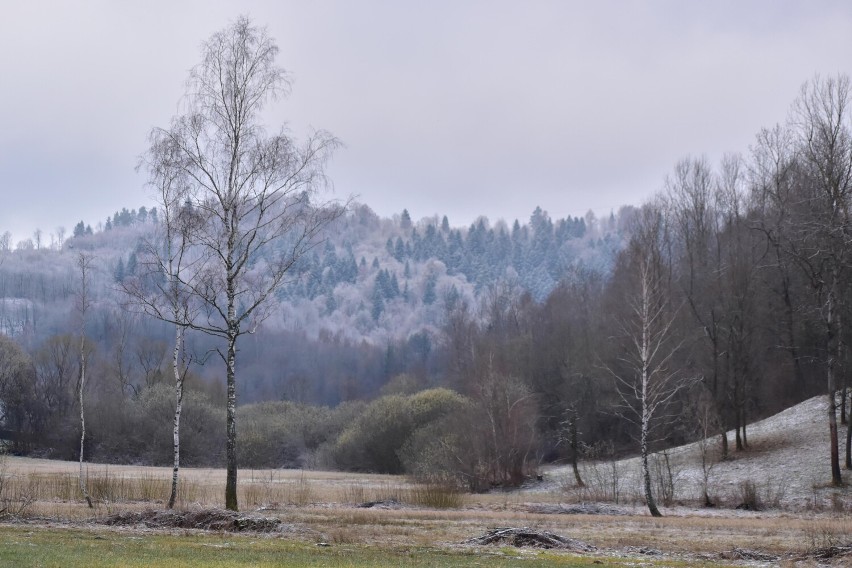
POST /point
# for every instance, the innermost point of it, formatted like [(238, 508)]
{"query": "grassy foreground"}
[(417, 526), (71, 548)]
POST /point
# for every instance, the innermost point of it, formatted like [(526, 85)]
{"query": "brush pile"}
[(205, 519), (527, 537)]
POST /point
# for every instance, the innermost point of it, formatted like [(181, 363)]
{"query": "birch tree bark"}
[(176, 368)]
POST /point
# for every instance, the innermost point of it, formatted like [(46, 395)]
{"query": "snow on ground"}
[(788, 461)]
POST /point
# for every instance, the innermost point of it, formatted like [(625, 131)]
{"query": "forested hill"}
[(366, 304), (374, 279), (382, 279)]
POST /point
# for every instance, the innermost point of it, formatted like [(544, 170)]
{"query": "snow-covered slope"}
[(787, 460)]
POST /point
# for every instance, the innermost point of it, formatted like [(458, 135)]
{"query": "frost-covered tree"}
[(83, 303), (255, 193)]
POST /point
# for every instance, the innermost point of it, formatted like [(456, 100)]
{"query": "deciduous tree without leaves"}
[(255, 194)]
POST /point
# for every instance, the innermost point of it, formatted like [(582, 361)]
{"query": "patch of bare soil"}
[(205, 519), (527, 537)]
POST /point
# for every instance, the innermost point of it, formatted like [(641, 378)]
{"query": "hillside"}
[(366, 304), (374, 279), (787, 460)]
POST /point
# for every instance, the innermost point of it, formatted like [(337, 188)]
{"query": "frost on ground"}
[(787, 466)]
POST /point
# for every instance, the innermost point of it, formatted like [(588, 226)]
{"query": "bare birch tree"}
[(647, 380), (60, 237), (255, 194), (83, 303), (169, 269)]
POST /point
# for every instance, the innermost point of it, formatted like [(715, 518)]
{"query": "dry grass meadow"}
[(800, 520), (327, 507)]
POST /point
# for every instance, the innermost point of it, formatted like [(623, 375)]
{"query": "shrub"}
[(602, 474), (139, 430), (286, 434), (481, 443), (749, 496), (437, 495), (15, 498), (374, 440)]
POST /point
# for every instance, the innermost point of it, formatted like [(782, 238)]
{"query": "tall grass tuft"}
[(354, 494), (104, 487), (303, 492), (16, 498), (436, 495)]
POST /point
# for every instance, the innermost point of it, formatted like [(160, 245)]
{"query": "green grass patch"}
[(73, 548)]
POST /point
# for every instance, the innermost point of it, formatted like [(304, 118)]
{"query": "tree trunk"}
[(646, 474), (849, 444), (575, 451), (231, 427), (178, 408), (739, 409), (836, 478), (83, 262), (724, 440), (789, 319), (83, 488)]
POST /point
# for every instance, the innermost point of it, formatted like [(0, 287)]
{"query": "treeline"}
[(369, 266), (539, 253)]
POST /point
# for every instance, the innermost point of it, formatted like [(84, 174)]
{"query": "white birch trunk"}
[(646, 353), (83, 488), (178, 407), (231, 414), (83, 262)]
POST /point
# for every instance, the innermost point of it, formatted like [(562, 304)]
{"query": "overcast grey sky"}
[(460, 107)]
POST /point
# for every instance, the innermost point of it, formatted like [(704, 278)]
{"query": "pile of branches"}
[(819, 554), (206, 519), (748, 554), (827, 553), (525, 536)]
